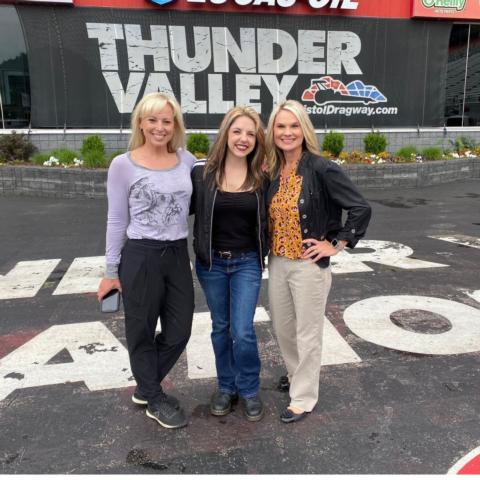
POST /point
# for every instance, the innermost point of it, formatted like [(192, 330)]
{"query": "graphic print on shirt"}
[(153, 207)]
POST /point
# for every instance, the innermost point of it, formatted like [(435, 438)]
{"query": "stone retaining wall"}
[(53, 182), (76, 183), (412, 175)]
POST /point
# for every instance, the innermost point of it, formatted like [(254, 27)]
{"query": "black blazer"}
[(326, 191)]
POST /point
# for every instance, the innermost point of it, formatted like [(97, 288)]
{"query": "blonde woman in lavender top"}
[(149, 190)]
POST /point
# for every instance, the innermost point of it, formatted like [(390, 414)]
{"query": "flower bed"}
[(361, 158)]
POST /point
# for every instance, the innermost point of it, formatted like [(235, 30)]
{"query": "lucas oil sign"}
[(316, 4), (345, 71)]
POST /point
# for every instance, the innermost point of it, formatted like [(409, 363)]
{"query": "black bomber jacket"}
[(202, 203), (326, 191)]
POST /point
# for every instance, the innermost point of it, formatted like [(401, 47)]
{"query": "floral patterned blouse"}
[(284, 219)]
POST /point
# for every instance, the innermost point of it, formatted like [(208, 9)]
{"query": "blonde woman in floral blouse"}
[(305, 200)]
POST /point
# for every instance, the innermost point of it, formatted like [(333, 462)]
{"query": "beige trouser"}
[(297, 292)]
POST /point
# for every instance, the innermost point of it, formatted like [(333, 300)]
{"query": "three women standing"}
[(149, 190), (305, 200), (230, 243)]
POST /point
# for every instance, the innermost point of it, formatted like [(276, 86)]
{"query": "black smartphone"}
[(110, 302)]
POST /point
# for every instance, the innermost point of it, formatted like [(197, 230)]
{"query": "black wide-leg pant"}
[(156, 281)]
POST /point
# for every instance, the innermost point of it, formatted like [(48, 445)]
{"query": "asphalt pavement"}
[(399, 388)]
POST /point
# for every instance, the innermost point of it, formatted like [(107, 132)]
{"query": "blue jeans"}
[(231, 288)]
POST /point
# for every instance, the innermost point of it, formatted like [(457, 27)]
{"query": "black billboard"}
[(89, 66)]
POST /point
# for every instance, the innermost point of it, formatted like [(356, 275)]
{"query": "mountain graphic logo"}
[(325, 90)]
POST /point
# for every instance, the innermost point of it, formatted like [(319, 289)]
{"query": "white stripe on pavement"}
[(464, 240)]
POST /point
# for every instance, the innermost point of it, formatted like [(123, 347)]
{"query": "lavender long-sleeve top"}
[(146, 203)]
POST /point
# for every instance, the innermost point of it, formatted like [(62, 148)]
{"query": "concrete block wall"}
[(413, 175), (53, 182), (46, 142)]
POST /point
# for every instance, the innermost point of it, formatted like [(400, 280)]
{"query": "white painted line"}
[(465, 240), (475, 295), (463, 461), (26, 278), (370, 320), (83, 276)]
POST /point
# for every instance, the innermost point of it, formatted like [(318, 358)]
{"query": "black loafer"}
[(253, 408), (287, 416), (283, 384), (221, 403)]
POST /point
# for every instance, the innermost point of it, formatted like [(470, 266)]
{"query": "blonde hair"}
[(218, 153), (275, 158), (154, 102)]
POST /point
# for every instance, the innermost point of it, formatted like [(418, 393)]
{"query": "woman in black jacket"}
[(230, 245), (305, 200)]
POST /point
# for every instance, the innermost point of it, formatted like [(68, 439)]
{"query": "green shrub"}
[(407, 153), (64, 155), (432, 153), (198, 144), (333, 143), (93, 152), (39, 158), (375, 142), (94, 159), (92, 143), (460, 144), (15, 147)]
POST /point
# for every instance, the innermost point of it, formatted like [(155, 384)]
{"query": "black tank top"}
[(234, 221)]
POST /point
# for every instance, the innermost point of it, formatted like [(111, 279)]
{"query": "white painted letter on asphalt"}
[(370, 320), (200, 356), (475, 295), (201, 359), (464, 240), (83, 276), (26, 278), (386, 253), (99, 359)]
